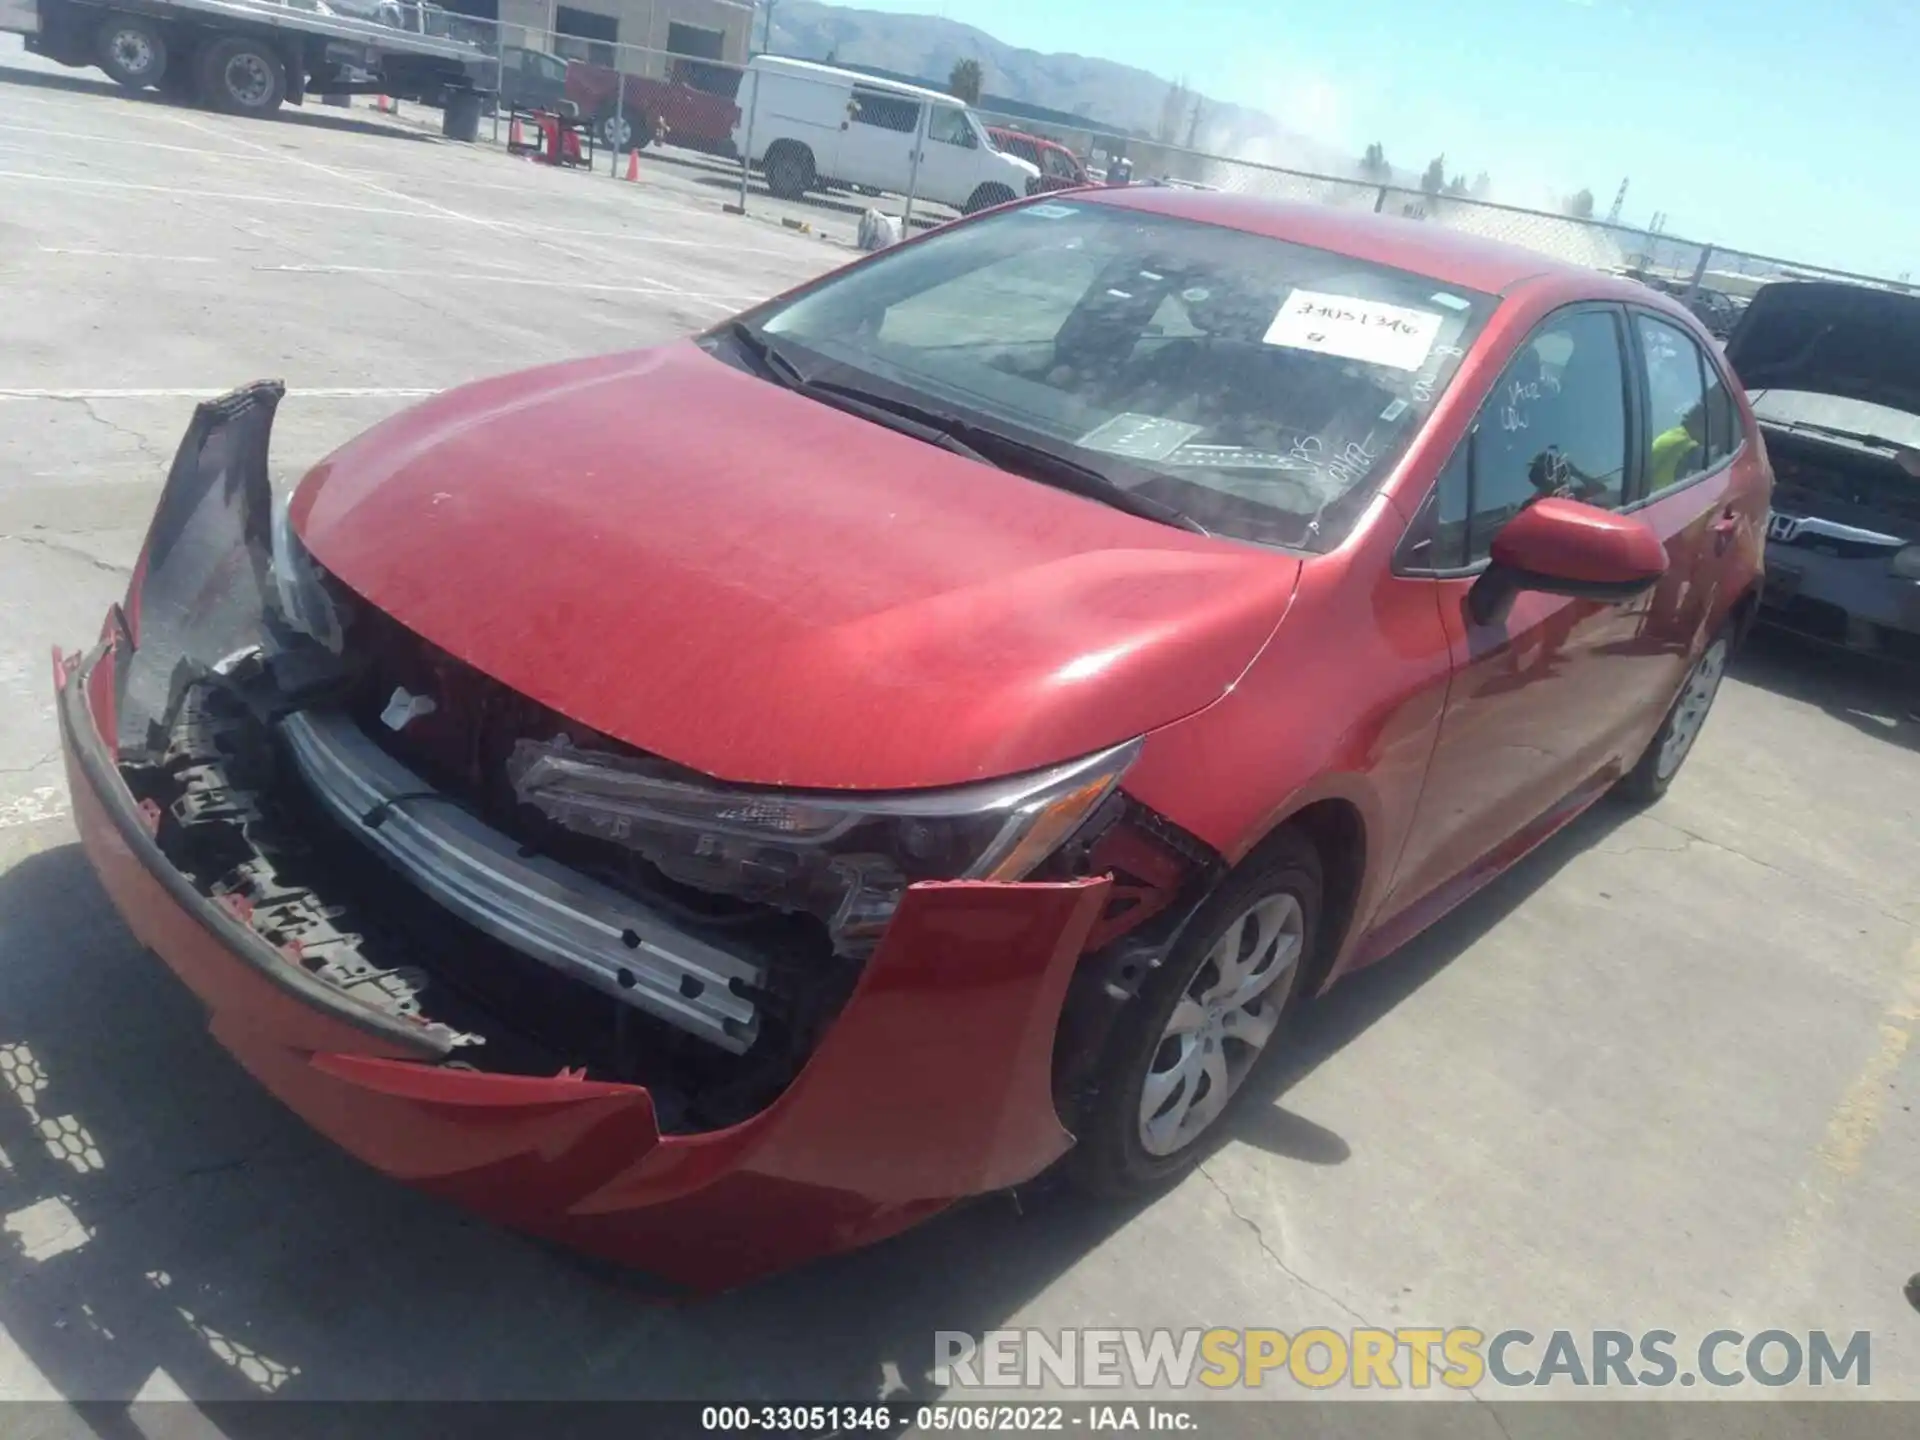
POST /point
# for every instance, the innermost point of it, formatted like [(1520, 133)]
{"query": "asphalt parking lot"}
[(1659, 1076)]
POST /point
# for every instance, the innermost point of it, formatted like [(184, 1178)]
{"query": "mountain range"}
[(1121, 97)]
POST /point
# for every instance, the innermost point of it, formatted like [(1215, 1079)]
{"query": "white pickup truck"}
[(246, 57)]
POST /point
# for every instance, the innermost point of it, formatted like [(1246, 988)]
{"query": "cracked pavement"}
[(1659, 1076)]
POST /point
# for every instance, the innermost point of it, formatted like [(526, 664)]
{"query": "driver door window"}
[(948, 126), (1058, 166), (1555, 424)]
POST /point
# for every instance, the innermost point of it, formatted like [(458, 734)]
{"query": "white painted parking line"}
[(87, 182), (276, 156), (655, 289), (78, 252), (506, 227), (387, 192), (116, 141)]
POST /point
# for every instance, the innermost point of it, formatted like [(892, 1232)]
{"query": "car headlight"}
[(304, 599), (1906, 563), (845, 858)]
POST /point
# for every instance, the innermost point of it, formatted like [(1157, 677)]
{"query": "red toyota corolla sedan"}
[(721, 804)]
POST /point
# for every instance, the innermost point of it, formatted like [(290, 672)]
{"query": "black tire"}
[(132, 51), (986, 197), (1111, 1158), (790, 170), (619, 131), (241, 77), (1657, 766)]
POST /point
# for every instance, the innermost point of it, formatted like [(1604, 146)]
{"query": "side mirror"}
[(1563, 547)]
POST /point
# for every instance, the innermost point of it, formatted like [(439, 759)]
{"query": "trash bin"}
[(461, 118)]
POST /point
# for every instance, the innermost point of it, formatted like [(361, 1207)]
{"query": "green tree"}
[(1373, 164), (1435, 178), (964, 81), (1580, 204), (1482, 186)]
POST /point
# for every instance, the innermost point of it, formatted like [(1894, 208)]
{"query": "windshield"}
[(1260, 387)]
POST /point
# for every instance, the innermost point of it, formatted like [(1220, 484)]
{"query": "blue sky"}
[(1787, 127)]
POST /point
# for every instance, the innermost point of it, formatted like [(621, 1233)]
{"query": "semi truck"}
[(248, 57)]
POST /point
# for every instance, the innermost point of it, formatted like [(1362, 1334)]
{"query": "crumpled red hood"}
[(749, 583)]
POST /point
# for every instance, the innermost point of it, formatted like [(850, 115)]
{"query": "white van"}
[(810, 125)]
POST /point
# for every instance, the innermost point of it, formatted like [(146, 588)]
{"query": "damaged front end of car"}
[(569, 984)]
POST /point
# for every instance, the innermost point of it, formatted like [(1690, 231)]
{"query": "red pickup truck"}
[(693, 106), (1060, 168)]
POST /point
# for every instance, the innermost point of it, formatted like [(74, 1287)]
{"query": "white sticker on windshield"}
[(1050, 212), (1395, 409), (1139, 437), (1452, 302), (1364, 330)]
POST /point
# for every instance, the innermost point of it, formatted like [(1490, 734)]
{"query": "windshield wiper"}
[(950, 433), (1877, 442), (1009, 452), (772, 362), (780, 368)]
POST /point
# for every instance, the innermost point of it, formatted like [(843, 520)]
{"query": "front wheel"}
[(131, 51), (1673, 741), (790, 170), (986, 197), (618, 132), (1202, 1022), (242, 77)]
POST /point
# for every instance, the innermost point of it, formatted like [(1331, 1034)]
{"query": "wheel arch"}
[(1743, 614), (1337, 828)]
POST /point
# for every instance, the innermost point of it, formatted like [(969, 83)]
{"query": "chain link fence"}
[(678, 81)]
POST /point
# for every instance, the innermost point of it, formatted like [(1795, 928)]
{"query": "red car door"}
[(1543, 699)]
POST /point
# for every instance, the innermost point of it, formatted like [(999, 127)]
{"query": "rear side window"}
[(1723, 418), (1059, 166), (1677, 448), (884, 111)]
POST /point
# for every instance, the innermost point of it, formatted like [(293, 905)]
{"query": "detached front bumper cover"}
[(933, 1083)]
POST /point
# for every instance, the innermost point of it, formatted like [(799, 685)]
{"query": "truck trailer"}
[(247, 57)]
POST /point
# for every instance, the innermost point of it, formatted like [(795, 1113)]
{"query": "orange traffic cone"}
[(633, 165), (515, 138)]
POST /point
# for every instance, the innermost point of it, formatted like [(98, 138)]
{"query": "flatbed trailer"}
[(247, 57)]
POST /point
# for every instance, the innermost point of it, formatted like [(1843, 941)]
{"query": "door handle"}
[(1727, 523)]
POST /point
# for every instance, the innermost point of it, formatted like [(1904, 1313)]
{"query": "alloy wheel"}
[(1221, 1024), (1690, 711)]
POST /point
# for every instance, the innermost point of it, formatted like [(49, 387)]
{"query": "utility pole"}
[(1619, 199), (766, 35)]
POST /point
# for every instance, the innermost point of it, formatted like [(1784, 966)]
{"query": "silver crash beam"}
[(541, 908)]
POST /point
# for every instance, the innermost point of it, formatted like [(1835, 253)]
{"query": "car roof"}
[(815, 70), (1452, 257)]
